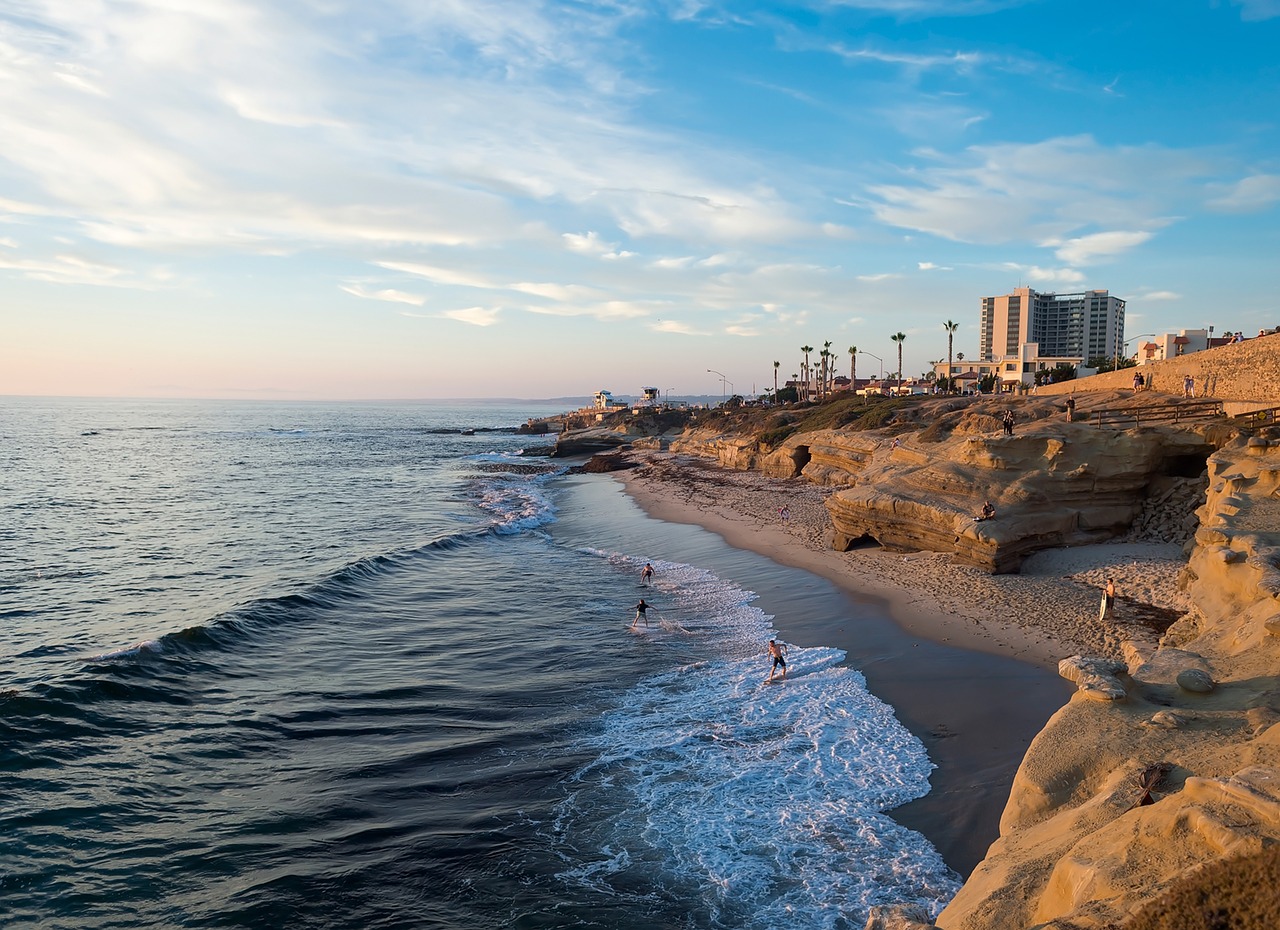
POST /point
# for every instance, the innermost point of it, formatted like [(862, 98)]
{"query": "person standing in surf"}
[(646, 573), (777, 652), (640, 612)]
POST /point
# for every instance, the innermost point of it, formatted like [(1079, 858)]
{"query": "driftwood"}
[(1150, 780)]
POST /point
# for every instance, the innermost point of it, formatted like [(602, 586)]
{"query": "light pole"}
[(878, 359), (669, 390), (1126, 343), (723, 382)]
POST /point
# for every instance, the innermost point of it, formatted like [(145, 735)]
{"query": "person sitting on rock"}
[(987, 512)]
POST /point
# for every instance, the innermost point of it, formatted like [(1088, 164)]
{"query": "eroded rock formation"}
[(1054, 484), (1076, 848)]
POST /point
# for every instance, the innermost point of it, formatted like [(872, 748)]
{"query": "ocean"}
[(315, 665)]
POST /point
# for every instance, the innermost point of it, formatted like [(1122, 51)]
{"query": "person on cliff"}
[(640, 613), (777, 652), (1008, 422), (1108, 600), (1071, 408), (987, 512)]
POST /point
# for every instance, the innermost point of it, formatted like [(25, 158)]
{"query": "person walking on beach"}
[(646, 573), (1108, 600), (1008, 422), (777, 652), (640, 613), (1071, 408), (785, 513)]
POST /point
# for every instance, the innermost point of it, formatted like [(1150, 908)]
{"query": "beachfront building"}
[(604, 401), (1183, 342), (1083, 325)]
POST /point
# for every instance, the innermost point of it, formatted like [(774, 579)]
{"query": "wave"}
[(770, 799)]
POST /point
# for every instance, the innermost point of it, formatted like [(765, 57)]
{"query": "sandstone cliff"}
[(1077, 849)]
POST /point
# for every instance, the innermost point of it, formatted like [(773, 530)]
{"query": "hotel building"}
[(1083, 326)]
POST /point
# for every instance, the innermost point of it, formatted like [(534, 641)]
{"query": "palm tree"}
[(853, 368), (805, 368), (776, 366), (899, 338), (828, 367), (951, 329)]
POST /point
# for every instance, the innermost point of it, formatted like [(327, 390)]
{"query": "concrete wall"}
[(1245, 371)]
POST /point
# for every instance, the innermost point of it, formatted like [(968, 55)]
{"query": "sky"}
[(398, 199)]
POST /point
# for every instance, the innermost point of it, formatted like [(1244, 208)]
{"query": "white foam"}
[(515, 504), (772, 796)]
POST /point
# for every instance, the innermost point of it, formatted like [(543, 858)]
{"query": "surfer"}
[(1108, 599), (777, 651), (640, 612), (646, 573)]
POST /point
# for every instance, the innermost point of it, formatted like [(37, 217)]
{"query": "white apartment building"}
[(1064, 326)]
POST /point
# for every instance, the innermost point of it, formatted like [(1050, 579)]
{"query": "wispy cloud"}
[(476, 316), (387, 294), (1042, 193), (73, 269), (1258, 9), (1085, 250), (1254, 193)]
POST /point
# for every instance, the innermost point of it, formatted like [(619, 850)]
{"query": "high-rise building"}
[(1084, 325)]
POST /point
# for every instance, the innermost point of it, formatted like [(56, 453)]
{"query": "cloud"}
[(592, 244), (679, 328), (1254, 193), (388, 294), (72, 269), (437, 275), (1040, 192), (954, 61), (930, 266), (1156, 295), (1085, 250), (1258, 9), (476, 316), (872, 278), (1040, 275)]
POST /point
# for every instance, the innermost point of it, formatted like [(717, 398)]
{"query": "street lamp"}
[(723, 382), (669, 390), (1126, 343), (878, 359)]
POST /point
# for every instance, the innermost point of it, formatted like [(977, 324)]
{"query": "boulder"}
[(1095, 678), (1195, 680)]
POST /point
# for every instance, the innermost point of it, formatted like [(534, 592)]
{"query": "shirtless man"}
[(1108, 600), (777, 651), (646, 573)]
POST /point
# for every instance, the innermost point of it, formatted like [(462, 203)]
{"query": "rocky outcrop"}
[(1054, 484), (1088, 839)]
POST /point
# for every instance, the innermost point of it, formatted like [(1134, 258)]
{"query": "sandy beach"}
[(970, 663)]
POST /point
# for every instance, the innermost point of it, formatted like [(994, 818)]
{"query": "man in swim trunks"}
[(777, 652), (646, 573), (640, 612)]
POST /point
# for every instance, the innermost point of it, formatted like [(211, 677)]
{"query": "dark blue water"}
[(269, 665)]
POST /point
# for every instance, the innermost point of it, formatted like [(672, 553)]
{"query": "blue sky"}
[(288, 199)]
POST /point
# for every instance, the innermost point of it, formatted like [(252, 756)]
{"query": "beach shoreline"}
[(969, 661)]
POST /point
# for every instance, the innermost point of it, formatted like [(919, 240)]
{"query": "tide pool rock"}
[(1195, 680), (1096, 678)]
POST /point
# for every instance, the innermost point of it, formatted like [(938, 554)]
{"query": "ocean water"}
[(340, 665)]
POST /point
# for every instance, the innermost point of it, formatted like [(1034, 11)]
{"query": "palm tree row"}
[(820, 379)]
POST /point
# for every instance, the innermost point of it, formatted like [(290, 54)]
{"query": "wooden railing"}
[(1177, 412), (1255, 420)]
